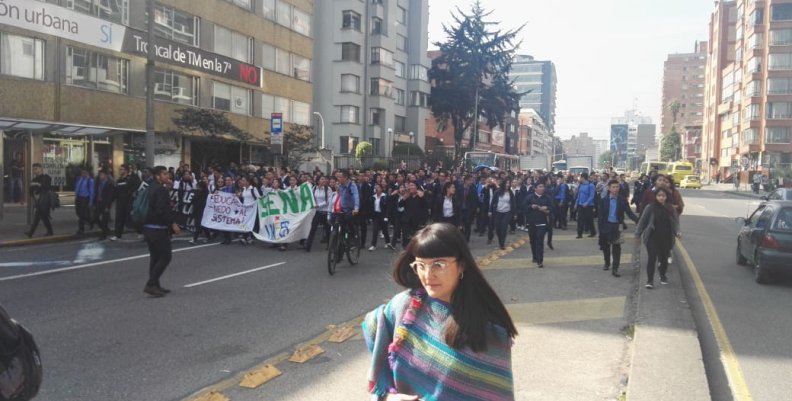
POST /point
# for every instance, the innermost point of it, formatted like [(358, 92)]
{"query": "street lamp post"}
[(321, 121), (389, 142), (412, 134)]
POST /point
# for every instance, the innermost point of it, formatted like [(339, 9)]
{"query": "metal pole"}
[(150, 139), (2, 174), (26, 179), (321, 120), (475, 120)]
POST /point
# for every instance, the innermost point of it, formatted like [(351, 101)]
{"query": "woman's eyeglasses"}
[(437, 266)]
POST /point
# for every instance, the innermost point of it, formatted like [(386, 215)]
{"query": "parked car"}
[(690, 181), (779, 194), (765, 240)]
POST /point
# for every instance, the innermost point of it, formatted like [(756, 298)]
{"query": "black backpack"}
[(20, 362)]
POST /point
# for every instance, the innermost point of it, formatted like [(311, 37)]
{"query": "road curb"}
[(47, 240)]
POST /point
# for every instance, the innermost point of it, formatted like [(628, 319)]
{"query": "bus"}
[(559, 166), (679, 170), (578, 170), (491, 159), (648, 167)]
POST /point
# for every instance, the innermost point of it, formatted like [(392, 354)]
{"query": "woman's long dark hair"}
[(475, 304), (668, 208)]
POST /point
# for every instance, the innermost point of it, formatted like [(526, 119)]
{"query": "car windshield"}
[(692, 178), (784, 220)]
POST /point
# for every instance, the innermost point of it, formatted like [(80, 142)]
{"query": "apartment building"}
[(539, 80), (373, 82), (683, 90), (73, 81)]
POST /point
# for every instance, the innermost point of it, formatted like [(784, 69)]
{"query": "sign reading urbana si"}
[(65, 23)]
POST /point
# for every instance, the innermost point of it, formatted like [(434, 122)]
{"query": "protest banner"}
[(285, 216), (225, 212), (182, 206)]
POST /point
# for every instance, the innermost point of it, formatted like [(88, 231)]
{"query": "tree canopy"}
[(208, 123), (298, 145), (470, 78), (670, 146)]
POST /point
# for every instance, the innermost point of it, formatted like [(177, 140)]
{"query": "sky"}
[(608, 54)]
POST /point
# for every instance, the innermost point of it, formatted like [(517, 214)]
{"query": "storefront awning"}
[(35, 126)]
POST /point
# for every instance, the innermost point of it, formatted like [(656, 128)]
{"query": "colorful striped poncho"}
[(424, 365)]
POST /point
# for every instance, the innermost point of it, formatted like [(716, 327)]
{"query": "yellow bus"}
[(679, 170), (648, 167)]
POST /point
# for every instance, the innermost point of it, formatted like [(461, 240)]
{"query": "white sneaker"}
[(112, 238), (382, 235), (372, 248), (192, 241), (670, 260)]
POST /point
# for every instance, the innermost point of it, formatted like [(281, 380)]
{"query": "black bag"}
[(20, 362), (54, 200)]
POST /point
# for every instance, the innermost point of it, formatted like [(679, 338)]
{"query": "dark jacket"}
[(384, 204), (472, 201), (40, 188), (159, 206), (366, 199), (537, 217), (622, 207), (456, 205), (497, 194), (125, 189), (415, 208), (105, 194)]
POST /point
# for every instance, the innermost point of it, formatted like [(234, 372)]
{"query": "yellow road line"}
[(734, 373)]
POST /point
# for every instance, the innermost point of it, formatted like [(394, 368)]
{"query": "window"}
[(232, 44), (756, 40), (381, 87), (381, 56), (172, 87), (399, 67), (419, 99), (755, 64), (750, 137), (375, 144), (348, 144), (246, 4), (284, 13), (376, 2), (231, 98), (401, 43), (780, 37), (282, 61), (350, 114), (419, 72), (350, 52), (268, 55), (778, 110), (21, 56), (273, 104), (301, 22), (781, 12), (779, 86), (401, 16), (757, 16), (376, 26), (751, 112), (350, 20), (350, 83), (301, 113), (400, 96), (268, 10), (115, 11), (399, 124), (301, 68), (780, 61), (377, 117), (778, 135), (175, 25), (95, 70)]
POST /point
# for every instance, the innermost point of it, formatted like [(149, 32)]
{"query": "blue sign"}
[(276, 123)]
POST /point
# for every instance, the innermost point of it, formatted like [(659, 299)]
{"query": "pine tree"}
[(474, 63)]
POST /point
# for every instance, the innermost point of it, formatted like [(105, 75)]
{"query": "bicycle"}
[(344, 238)]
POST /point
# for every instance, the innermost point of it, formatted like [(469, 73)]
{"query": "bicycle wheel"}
[(332, 252), (353, 249)]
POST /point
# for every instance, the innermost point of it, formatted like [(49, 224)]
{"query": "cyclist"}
[(347, 200)]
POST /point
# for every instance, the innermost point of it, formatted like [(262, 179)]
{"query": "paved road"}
[(756, 318), (102, 339)]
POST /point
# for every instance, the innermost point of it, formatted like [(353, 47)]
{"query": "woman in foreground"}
[(448, 336)]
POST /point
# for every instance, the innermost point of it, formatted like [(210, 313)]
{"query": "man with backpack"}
[(157, 227)]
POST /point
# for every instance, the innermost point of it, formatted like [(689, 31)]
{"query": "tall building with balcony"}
[(73, 83), (373, 85), (539, 79), (683, 86), (749, 112)]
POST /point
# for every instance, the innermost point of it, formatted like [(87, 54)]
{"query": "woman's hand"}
[(400, 397)]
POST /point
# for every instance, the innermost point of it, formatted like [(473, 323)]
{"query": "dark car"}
[(779, 194), (765, 240)]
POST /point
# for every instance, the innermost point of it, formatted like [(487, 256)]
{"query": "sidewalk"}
[(744, 190)]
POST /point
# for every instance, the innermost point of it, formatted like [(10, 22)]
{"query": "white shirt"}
[(249, 195), (377, 199), (330, 201), (321, 195), (504, 203), (448, 207)]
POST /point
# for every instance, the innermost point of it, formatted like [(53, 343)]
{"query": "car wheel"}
[(761, 274), (740, 258)]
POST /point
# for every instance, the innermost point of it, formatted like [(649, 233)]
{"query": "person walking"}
[(447, 336), (414, 215), (125, 189), (468, 205), (200, 198), (561, 202), (379, 216), (657, 228), (322, 194), (538, 207), (105, 190), (83, 199), (40, 188), (585, 205), (157, 229), (447, 208), (502, 205), (611, 219), (366, 191)]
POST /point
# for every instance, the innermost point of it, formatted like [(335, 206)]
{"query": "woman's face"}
[(661, 197), (439, 276)]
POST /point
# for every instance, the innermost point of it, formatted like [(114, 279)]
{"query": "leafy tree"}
[(670, 146), (474, 64), (207, 123), (298, 145), (364, 149)]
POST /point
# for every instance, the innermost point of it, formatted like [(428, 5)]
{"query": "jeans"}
[(15, 189), (586, 220), (121, 215), (537, 242), (380, 225), (467, 223), (44, 217), (610, 241), (500, 222), (656, 253), (160, 253), (561, 214), (320, 218), (83, 211)]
